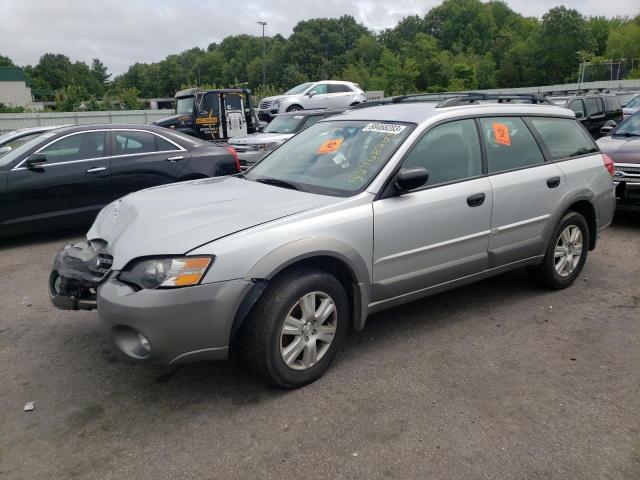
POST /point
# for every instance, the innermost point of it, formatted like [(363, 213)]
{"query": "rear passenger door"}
[(142, 159), (439, 232), (339, 95), (526, 189)]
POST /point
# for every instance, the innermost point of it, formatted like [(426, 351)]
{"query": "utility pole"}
[(263, 23)]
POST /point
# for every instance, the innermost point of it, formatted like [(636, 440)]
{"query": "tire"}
[(552, 272), (265, 344), (294, 108)]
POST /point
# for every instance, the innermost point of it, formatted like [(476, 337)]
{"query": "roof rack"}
[(474, 97), (457, 98)]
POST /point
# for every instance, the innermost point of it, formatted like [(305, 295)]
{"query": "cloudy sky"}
[(121, 32)]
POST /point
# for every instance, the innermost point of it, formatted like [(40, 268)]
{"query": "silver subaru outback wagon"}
[(358, 213)]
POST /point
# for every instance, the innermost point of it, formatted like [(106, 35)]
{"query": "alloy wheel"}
[(568, 250), (308, 330)]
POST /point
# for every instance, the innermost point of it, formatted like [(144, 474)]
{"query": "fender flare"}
[(291, 253), (571, 197)]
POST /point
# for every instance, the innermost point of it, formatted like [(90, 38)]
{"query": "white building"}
[(13, 89)]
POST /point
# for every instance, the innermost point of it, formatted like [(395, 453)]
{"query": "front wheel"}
[(296, 329), (294, 108), (566, 254)]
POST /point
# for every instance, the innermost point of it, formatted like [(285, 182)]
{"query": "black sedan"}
[(65, 176)]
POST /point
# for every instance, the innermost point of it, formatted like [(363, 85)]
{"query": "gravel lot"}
[(496, 380)]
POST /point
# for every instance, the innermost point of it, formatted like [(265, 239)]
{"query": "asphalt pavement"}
[(496, 380)]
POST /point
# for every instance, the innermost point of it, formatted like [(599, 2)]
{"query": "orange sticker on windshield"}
[(330, 146), (501, 132)]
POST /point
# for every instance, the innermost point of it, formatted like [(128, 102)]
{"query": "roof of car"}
[(315, 111), (111, 126), (419, 112)]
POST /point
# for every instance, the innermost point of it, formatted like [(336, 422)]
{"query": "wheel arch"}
[(332, 256), (583, 203)]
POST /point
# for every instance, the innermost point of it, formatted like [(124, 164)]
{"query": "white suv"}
[(312, 95)]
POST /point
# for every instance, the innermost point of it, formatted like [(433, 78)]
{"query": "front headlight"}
[(166, 272)]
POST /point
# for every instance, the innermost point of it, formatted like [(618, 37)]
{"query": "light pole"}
[(263, 23)]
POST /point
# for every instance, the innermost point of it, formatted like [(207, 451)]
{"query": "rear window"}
[(563, 137), (593, 106), (510, 144)]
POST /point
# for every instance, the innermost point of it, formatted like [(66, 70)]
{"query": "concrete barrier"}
[(14, 121)]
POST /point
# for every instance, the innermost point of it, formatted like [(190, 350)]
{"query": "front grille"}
[(241, 148), (631, 170), (264, 104)]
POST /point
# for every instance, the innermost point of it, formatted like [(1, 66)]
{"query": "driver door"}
[(320, 98), (70, 188), (439, 232)]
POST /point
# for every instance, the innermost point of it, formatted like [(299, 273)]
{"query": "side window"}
[(577, 106), (449, 152), (311, 120), (337, 88), (76, 147), (509, 144), (563, 137), (613, 104), (592, 107), (130, 142), (320, 89), (163, 145)]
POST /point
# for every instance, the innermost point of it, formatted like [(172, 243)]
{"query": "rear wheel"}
[(566, 254), (296, 328)]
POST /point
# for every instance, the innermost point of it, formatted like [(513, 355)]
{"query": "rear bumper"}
[(628, 196), (169, 326)]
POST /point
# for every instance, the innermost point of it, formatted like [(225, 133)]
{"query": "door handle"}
[(553, 182), (96, 170), (476, 200), (175, 159)]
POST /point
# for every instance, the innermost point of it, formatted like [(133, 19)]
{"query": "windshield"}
[(184, 106), (285, 124), (299, 89), (630, 127), (337, 158), (634, 103), (18, 151)]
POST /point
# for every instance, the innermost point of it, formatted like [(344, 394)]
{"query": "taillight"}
[(608, 163), (233, 152)]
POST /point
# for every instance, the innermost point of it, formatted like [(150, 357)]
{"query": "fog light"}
[(144, 342)]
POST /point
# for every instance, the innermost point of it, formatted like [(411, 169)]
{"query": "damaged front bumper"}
[(77, 271)]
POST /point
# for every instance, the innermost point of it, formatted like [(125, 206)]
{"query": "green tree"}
[(6, 62), (130, 99), (563, 33)]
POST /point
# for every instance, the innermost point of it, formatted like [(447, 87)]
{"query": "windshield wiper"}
[(279, 183)]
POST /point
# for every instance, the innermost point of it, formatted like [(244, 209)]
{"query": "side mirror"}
[(410, 178), (37, 160), (579, 114), (311, 93), (607, 127)]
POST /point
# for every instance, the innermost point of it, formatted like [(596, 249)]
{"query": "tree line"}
[(458, 45)]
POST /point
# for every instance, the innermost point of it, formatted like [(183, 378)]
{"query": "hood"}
[(275, 97), (172, 120), (174, 219), (621, 149), (258, 138)]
